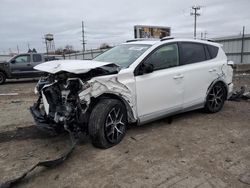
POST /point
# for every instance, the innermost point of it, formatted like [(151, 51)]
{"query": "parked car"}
[(21, 66), (135, 82)]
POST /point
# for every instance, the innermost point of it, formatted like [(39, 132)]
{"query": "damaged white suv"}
[(136, 82)]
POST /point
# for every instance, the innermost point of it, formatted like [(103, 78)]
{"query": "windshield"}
[(123, 55)]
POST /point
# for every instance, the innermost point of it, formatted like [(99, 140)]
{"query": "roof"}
[(158, 41)]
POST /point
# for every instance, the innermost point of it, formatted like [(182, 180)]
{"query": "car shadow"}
[(167, 120), (32, 132), (17, 81), (23, 133)]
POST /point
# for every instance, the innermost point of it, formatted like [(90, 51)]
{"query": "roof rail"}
[(141, 39), (209, 40), (167, 38)]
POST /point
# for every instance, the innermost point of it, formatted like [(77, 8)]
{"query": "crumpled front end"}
[(58, 105), (65, 98)]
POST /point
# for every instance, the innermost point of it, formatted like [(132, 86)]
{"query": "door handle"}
[(212, 70), (28, 64), (178, 76)]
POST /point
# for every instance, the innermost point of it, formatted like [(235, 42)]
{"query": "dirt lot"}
[(196, 150)]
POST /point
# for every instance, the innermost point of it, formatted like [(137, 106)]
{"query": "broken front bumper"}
[(230, 90), (42, 122)]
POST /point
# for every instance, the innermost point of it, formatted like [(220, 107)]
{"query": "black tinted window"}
[(192, 53), (213, 51), (37, 58), (164, 57)]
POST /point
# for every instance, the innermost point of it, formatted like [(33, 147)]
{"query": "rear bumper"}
[(230, 90)]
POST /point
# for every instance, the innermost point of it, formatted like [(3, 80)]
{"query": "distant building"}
[(233, 48)]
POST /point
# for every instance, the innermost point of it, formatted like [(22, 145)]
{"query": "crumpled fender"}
[(109, 85)]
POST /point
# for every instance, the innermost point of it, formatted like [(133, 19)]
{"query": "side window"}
[(23, 59), (191, 53), (37, 58), (164, 57), (213, 51)]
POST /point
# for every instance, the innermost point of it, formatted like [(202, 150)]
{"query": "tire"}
[(216, 98), (2, 78), (107, 123)]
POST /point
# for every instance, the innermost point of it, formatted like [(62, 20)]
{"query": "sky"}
[(24, 22)]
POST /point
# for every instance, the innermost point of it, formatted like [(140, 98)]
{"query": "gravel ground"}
[(195, 150)]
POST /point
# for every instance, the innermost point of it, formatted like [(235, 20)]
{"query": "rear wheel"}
[(216, 98), (2, 78), (107, 123)]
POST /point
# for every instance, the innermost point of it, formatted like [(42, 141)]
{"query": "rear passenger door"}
[(199, 69), (37, 59)]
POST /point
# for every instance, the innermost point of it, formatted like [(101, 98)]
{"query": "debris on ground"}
[(47, 163), (16, 102), (245, 178), (242, 94)]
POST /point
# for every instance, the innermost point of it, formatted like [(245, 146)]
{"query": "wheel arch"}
[(130, 115), (216, 82), (5, 74)]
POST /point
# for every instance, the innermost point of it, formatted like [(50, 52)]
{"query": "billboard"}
[(145, 31)]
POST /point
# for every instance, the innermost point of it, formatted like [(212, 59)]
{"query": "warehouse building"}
[(236, 47)]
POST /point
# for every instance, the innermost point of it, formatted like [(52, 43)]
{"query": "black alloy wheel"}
[(216, 98), (115, 125)]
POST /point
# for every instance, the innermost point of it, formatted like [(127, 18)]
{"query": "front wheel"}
[(216, 98), (2, 78), (107, 123)]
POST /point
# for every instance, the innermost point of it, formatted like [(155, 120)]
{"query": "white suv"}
[(136, 82)]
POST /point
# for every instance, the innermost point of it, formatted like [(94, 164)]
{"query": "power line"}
[(195, 14)]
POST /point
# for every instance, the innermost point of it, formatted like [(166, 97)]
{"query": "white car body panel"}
[(197, 79), (159, 92), (72, 66)]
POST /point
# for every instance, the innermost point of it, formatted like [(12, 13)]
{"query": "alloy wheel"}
[(216, 97), (115, 125)]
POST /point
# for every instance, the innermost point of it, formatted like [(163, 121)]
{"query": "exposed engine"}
[(59, 106)]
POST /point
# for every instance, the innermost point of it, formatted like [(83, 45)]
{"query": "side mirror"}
[(147, 68), (13, 61), (231, 63)]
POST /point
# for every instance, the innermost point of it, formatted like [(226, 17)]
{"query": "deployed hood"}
[(72, 66)]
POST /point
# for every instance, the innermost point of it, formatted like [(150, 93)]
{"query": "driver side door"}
[(160, 92), (21, 65)]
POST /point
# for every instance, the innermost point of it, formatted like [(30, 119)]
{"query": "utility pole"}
[(205, 34), (242, 45), (83, 40), (17, 47), (28, 46), (195, 14)]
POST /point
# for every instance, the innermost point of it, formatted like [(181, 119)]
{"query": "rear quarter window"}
[(213, 51), (191, 52)]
